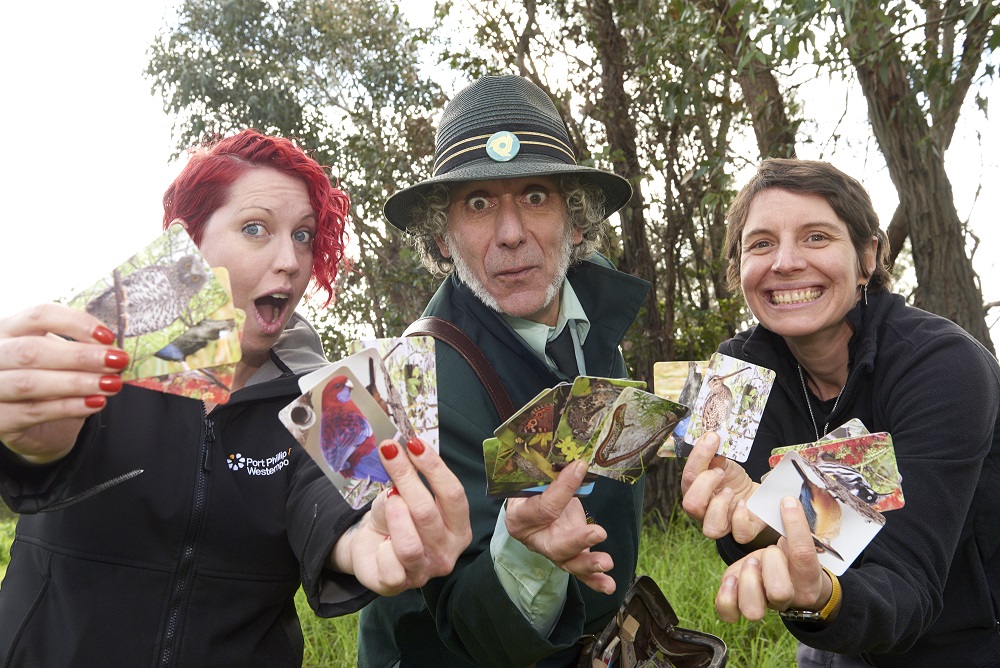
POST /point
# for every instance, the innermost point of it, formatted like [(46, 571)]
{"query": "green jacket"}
[(467, 618)]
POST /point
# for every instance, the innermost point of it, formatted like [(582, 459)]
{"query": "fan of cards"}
[(846, 480), (387, 389), (727, 396), (611, 423), (174, 315)]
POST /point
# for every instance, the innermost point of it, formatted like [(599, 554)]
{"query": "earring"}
[(864, 292)]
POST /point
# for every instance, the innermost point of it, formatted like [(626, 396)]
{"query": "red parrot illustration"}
[(346, 437)]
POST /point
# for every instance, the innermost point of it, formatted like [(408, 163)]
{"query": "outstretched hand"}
[(554, 525), (782, 576), (715, 491), (49, 385), (412, 533)]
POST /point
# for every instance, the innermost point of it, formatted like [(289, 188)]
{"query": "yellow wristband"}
[(834, 597)]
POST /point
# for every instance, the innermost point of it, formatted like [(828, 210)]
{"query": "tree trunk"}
[(947, 283)]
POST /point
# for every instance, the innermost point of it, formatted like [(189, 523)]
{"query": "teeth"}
[(795, 296), (276, 313), (280, 295)]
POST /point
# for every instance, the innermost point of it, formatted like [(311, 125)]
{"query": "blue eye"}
[(253, 229), (302, 236)]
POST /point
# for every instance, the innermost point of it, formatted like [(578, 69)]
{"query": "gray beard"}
[(470, 279)]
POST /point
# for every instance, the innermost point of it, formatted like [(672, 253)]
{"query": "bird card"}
[(679, 382), (635, 428), (731, 402), (386, 390), (841, 524), (201, 362), (154, 297), (865, 465)]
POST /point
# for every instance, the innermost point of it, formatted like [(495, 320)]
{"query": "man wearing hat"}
[(515, 224)]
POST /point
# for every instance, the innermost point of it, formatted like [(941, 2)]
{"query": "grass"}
[(680, 559)]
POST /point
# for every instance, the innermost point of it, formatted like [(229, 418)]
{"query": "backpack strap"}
[(460, 341)]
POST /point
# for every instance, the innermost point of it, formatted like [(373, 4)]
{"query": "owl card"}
[(840, 523), (635, 428), (155, 297), (680, 382), (731, 402), (864, 465)]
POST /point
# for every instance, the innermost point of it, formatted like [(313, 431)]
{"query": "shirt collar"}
[(536, 334)]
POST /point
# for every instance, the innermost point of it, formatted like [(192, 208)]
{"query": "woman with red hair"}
[(137, 543)]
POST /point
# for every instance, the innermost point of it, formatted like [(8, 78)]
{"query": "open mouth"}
[(270, 309), (795, 296)]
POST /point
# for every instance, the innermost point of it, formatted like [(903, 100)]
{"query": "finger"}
[(17, 417), (390, 573), (700, 493), (745, 525), (727, 602), (591, 569), (716, 522), (43, 352), (699, 459), (31, 384), (57, 319), (405, 539), (777, 583), (451, 500), (569, 541), (528, 516), (800, 550), (750, 590)]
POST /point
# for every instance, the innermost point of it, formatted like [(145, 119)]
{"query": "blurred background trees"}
[(679, 97)]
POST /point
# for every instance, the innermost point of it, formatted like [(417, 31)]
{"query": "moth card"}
[(731, 402), (529, 432), (340, 424), (865, 465), (510, 475), (679, 382), (154, 297), (840, 523), (404, 383), (634, 429)]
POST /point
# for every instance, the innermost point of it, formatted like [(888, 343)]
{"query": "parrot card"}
[(386, 390), (731, 402), (680, 382), (154, 298), (200, 363), (865, 465), (840, 523)]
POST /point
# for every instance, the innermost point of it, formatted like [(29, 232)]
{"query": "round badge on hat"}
[(503, 146)]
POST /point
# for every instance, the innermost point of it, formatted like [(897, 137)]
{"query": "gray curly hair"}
[(584, 206)]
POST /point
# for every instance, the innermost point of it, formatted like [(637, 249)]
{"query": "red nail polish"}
[(96, 401), (389, 450), (416, 446), (116, 359), (110, 383), (392, 492), (103, 335)]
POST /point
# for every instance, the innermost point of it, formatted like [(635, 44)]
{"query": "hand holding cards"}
[(173, 315)]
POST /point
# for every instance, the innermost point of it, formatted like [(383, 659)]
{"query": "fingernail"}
[(788, 502), (392, 492), (389, 450), (116, 359), (416, 446), (110, 383), (103, 335), (720, 473), (95, 401)]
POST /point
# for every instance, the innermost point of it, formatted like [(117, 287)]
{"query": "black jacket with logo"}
[(168, 537)]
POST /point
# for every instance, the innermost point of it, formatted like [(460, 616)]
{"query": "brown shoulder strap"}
[(460, 341)]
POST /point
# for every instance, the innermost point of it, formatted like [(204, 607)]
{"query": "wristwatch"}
[(814, 615)]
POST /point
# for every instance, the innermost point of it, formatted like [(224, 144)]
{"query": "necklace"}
[(805, 393)]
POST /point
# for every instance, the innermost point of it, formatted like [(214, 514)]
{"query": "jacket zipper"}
[(190, 542)]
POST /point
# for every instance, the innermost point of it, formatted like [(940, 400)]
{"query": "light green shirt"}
[(534, 584)]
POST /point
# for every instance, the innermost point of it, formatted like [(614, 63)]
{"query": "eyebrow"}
[(811, 224)]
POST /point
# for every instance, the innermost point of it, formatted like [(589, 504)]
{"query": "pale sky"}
[(86, 147)]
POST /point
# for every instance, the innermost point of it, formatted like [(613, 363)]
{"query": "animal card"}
[(864, 465), (611, 423), (841, 524), (155, 297), (679, 382), (345, 408), (200, 363), (635, 428), (731, 402)]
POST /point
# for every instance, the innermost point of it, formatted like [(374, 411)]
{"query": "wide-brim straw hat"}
[(503, 127)]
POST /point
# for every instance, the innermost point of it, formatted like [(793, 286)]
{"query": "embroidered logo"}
[(258, 467)]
